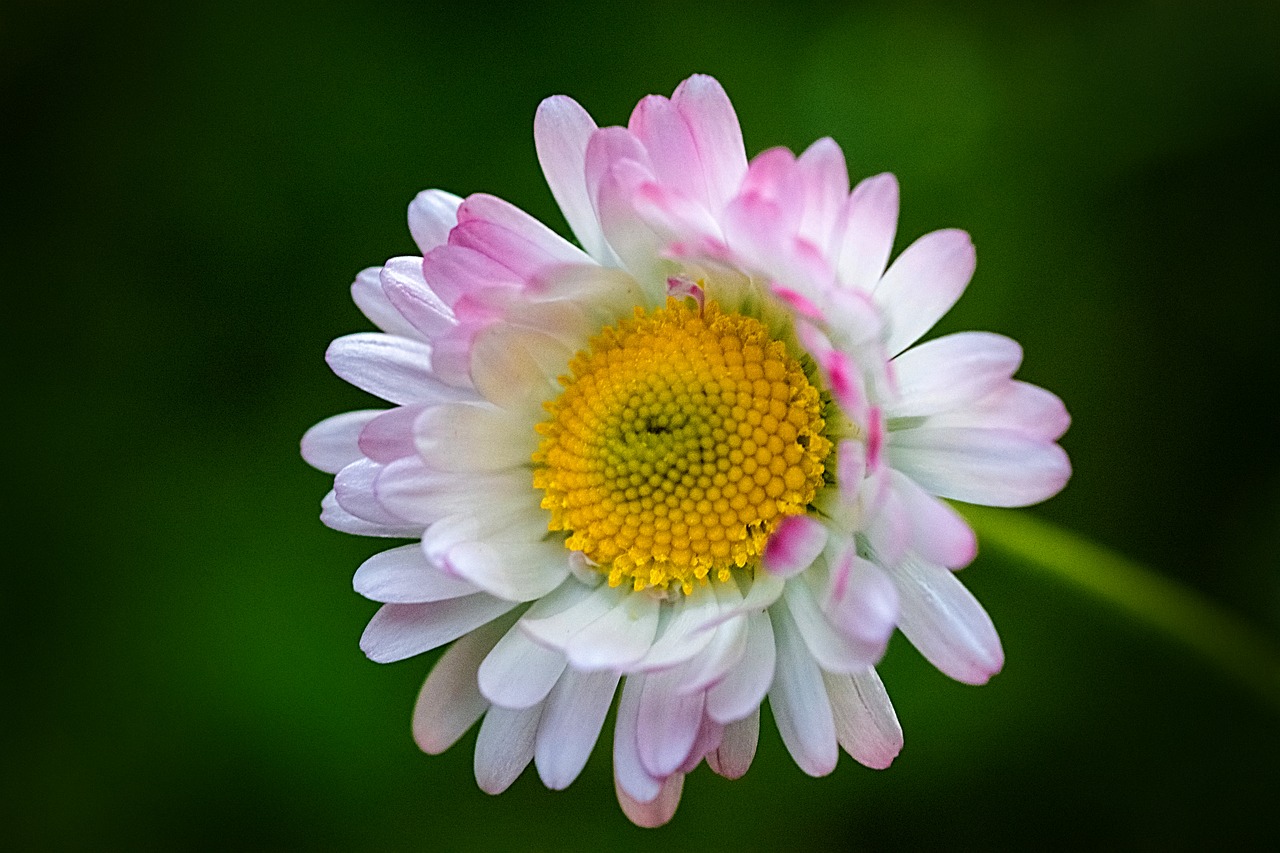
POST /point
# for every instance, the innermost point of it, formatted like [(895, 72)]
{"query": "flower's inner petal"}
[(680, 442)]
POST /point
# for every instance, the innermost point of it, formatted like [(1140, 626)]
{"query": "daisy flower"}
[(695, 461)]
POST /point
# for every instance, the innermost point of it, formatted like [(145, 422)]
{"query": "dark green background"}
[(189, 190)]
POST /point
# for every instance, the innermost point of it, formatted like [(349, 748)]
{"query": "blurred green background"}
[(190, 188)]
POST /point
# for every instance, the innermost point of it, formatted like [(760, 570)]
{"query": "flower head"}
[(698, 459)]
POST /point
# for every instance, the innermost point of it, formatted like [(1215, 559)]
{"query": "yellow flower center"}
[(681, 440)]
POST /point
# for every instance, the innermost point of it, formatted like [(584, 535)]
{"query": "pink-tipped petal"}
[(732, 759), (1016, 406), (667, 723), (794, 545), (656, 812), (406, 289), (923, 283), (938, 533), (826, 186), (396, 369)]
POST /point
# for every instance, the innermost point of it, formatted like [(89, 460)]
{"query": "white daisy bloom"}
[(691, 465)]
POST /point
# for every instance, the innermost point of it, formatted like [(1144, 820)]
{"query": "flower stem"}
[(1216, 634)]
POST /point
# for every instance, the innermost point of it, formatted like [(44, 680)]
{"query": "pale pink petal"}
[(666, 135), (334, 443), (449, 702), (946, 623), (389, 436), (404, 576), (354, 488), (367, 293), (504, 746), (511, 237), (866, 724), (636, 243), (854, 635), (629, 773), (938, 533), (519, 673), (732, 759), (710, 733), (332, 515), (871, 221), (994, 467), (657, 812), (794, 545), (825, 178), (453, 272), (923, 283), (396, 369), (561, 131), (862, 605), (668, 722), (570, 725), (399, 631), (952, 371), (431, 214), (716, 135), (799, 701), (403, 285)]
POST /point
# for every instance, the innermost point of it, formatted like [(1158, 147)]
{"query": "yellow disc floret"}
[(681, 439)]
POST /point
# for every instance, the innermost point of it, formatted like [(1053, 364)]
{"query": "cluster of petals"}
[(474, 335)]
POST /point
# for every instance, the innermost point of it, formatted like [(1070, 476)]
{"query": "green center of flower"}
[(681, 439)]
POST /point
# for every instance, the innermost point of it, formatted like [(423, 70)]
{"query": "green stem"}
[(1220, 637)]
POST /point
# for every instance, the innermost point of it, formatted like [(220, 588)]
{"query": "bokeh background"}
[(190, 188)]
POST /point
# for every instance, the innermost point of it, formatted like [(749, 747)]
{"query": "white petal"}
[(861, 603), (737, 747), (561, 130), (408, 488), (679, 640), (951, 371), (334, 443), (799, 701), (399, 631), (396, 369), (449, 702), (1015, 405), (657, 812), (617, 639), (710, 733), (866, 724), (514, 571), (431, 214), (994, 467), (474, 437), (923, 283), (510, 236), (516, 368), (337, 518), (946, 623), (504, 746), (519, 673), (744, 687), (571, 723), (366, 293), (404, 576), (553, 620), (871, 221), (354, 488)]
